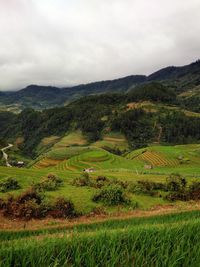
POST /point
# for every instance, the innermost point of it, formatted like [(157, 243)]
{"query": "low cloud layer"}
[(67, 42)]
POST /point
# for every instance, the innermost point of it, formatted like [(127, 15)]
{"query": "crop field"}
[(98, 159), (113, 140), (167, 240), (183, 159), (150, 233), (57, 155), (74, 138)]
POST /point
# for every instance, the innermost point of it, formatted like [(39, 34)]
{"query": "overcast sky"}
[(67, 42)]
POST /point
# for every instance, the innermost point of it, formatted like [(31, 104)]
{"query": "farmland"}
[(150, 230), (68, 163), (131, 242)]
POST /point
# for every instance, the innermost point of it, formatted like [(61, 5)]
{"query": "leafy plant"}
[(111, 195), (51, 183), (175, 182), (83, 180), (63, 208), (9, 184)]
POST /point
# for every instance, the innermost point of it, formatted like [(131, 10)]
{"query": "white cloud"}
[(68, 42)]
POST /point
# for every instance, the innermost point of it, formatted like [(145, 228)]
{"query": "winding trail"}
[(5, 155)]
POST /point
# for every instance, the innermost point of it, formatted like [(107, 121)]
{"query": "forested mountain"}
[(161, 120), (179, 79)]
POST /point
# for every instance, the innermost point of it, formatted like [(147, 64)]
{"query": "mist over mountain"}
[(180, 79)]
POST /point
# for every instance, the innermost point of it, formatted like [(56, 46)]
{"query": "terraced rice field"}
[(74, 138), (57, 155), (157, 159), (113, 140), (98, 159), (46, 163), (167, 155)]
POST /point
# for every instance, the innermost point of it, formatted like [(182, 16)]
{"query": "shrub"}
[(146, 187), (63, 208), (183, 196), (100, 181), (83, 180), (31, 204), (26, 206), (51, 183), (194, 191), (111, 195), (9, 184), (175, 182)]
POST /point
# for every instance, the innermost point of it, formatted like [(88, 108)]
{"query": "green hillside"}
[(104, 171), (183, 159)]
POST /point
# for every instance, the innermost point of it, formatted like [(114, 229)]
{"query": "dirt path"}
[(7, 224), (5, 155)]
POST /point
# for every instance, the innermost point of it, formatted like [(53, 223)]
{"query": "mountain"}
[(180, 79), (41, 97), (150, 113)]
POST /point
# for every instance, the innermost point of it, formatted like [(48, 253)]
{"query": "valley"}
[(118, 168)]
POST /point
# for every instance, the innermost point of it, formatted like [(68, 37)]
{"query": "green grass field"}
[(183, 159), (167, 240), (68, 161)]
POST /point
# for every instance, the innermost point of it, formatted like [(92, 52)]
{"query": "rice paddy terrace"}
[(136, 238), (179, 158), (161, 159)]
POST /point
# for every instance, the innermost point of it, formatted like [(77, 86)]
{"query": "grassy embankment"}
[(167, 240)]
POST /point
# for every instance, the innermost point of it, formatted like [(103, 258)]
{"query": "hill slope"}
[(179, 78)]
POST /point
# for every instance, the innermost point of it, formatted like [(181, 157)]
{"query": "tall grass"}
[(171, 240)]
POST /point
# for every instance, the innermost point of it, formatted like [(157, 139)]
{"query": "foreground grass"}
[(169, 240)]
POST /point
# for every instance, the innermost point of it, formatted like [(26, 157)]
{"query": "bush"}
[(183, 196), (51, 183), (26, 206), (63, 208), (100, 181), (146, 187), (111, 195), (194, 191), (175, 182), (31, 204), (83, 180), (9, 184)]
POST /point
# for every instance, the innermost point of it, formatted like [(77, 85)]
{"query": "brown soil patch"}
[(6, 224), (113, 139), (46, 162)]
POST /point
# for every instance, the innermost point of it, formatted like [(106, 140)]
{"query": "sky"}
[(69, 42)]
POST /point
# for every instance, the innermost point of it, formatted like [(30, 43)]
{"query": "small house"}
[(148, 167), (89, 170)]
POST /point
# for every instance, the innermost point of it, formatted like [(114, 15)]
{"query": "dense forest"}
[(96, 114)]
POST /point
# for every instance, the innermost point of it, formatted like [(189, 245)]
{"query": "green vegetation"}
[(134, 149), (98, 120), (9, 184), (169, 240)]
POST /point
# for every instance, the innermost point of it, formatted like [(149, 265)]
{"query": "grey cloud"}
[(67, 42)]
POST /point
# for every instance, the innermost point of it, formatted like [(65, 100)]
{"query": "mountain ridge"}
[(180, 79)]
